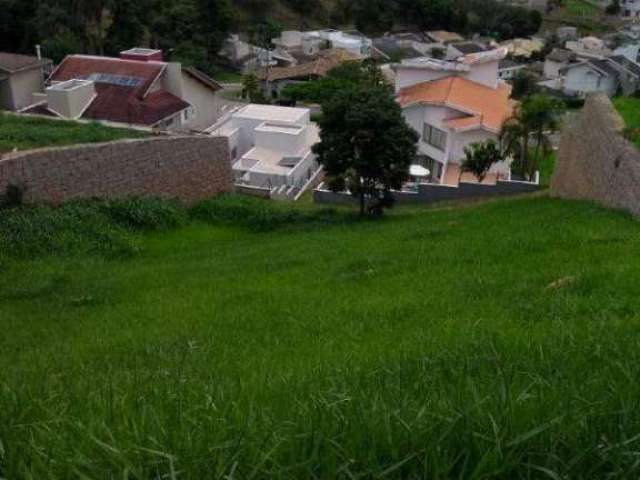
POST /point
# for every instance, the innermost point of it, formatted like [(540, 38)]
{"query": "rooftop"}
[(484, 107), (13, 62), (272, 113), (328, 60)]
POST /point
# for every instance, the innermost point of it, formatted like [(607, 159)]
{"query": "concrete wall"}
[(206, 104), (186, 168), (429, 193), (595, 161), (16, 92)]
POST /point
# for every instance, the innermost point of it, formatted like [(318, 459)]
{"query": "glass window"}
[(434, 136)]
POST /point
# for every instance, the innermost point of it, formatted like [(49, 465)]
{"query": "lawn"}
[(31, 132), (629, 109), (244, 340)]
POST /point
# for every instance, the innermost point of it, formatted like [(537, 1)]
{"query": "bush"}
[(258, 214), (145, 213), (102, 227), (29, 232), (13, 196)]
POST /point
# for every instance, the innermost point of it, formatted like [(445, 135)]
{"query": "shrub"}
[(145, 213), (13, 196), (258, 214)]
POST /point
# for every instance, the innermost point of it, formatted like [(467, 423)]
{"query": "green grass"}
[(494, 340), (24, 133), (581, 8), (629, 109), (226, 75)]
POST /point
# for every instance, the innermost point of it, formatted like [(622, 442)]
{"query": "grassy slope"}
[(629, 109), (498, 340), (30, 132)]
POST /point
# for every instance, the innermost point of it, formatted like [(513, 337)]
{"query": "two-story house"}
[(452, 105), (138, 89)]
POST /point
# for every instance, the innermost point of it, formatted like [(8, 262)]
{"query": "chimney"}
[(142, 55)]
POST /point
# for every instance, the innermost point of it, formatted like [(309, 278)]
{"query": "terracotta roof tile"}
[(487, 107), (327, 61), (133, 104)]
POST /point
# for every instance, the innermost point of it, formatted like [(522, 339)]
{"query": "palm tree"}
[(535, 118)]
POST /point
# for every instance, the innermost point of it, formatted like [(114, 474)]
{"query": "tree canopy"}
[(365, 146)]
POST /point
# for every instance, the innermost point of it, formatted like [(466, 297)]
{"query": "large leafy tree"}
[(366, 146)]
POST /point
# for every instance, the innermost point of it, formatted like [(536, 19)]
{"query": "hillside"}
[(252, 340)]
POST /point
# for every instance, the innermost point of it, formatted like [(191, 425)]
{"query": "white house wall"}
[(583, 80), (207, 106)]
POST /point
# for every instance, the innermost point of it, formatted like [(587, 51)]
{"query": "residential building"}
[(275, 79), (138, 88), (588, 47), (557, 60), (452, 105), (456, 50), (508, 69), (310, 43), (630, 8), (20, 77), (248, 58), (443, 37), (566, 33), (523, 47), (271, 147), (594, 75)]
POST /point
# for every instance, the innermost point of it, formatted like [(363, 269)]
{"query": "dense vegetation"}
[(28, 132), (194, 30), (490, 341), (629, 109)]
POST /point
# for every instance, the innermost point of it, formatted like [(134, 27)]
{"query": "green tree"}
[(479, 157), (535, 118), (523, 84), (251, 89), (347, 76), (365, 146)]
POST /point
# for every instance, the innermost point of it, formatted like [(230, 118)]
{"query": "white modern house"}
[(453, 104), (271, 148), (311, 42)]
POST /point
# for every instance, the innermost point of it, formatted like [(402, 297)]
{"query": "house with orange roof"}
[(452, 104)]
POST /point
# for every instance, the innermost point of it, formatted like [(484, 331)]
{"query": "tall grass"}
[(491, 341)]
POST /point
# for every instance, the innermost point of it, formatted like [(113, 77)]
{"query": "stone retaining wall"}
[(595, 161), (186, 168)]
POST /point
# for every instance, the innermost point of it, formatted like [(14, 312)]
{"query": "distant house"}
[(248, 58), (588, 47), (589, 76), (310, 43), (523, 47), (557, 60), (20, 77), (508, 69), (275, 79), (630, 8), (456, 50), (566, 33), (444, 37), (271, 148), (454, 104), (138, 88)]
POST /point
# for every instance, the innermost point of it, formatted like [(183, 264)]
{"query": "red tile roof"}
[(485, 106), (133, 103)]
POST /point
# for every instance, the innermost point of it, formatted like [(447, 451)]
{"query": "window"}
[(434, 136)]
